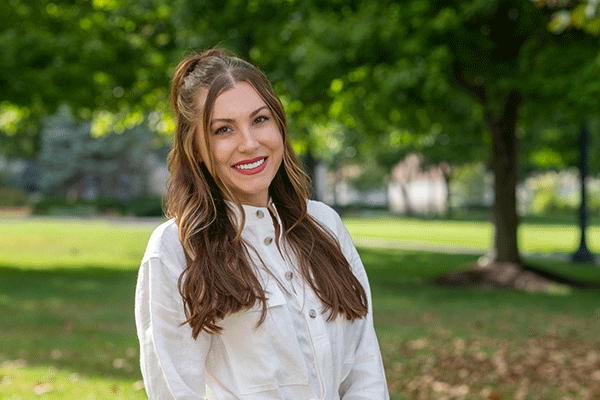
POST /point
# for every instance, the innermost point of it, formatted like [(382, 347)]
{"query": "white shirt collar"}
[(254, 215)]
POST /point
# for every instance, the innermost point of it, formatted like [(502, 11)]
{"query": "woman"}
[(250, 291)]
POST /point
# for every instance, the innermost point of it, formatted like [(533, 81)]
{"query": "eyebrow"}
[(252, 114)]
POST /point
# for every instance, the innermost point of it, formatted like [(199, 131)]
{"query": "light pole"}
[(583, 254)]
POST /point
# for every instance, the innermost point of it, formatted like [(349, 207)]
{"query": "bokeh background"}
[(459, 140)]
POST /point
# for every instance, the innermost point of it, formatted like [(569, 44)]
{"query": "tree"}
[(527, 68), (401, 69), (96, 56), (76, 165)]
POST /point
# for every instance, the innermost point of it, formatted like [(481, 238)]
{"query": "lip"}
[(250, 161), (253, 171)]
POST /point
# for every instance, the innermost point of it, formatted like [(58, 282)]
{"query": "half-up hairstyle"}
[(219, 278)]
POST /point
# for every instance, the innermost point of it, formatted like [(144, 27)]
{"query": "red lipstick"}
[(251, 171)]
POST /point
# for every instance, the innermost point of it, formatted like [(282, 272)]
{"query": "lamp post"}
[(583, 254)]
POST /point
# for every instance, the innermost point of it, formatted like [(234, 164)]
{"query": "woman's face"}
[(246, 144)]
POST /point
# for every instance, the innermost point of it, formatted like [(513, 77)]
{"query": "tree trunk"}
[(504, 164)]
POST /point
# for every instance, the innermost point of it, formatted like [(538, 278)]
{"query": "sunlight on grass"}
[(20, 381), (476, 235), (457, 233), (43, 243)]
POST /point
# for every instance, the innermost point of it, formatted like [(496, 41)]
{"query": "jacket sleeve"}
[(172, 362), (366, 380)]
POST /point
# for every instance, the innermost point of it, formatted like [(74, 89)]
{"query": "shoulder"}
[(319, 210), (326, 215), (332, 221), (164, 244)]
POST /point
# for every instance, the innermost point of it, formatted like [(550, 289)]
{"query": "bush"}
[(52, 206), (146, 206), (110, 206), (12, 197), (552, 192)]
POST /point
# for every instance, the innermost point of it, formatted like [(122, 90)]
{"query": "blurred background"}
[(393, 105), (450, 135)]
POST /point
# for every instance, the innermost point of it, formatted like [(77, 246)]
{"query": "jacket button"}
[(289, 275), (268, 240), (312, 313), (260, 214)]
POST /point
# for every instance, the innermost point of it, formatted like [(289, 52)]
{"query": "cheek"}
[(277, 142), (222, 156)]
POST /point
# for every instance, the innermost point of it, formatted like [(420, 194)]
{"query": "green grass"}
[(43, 243), (476, 235), (66, 309), (67, 329), (73, 325)]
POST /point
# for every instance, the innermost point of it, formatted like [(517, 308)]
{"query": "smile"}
[(253, 165)]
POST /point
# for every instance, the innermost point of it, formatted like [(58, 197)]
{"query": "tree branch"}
[(476, 90)]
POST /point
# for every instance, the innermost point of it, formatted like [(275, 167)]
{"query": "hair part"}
[(219, 278)]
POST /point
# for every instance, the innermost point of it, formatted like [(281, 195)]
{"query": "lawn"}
[(67, 328), (475, 235)]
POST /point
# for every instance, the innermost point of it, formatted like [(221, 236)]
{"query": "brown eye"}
[(261, 119), (223, 129)]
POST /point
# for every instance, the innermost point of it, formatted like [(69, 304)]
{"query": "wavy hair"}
[(219, 278)]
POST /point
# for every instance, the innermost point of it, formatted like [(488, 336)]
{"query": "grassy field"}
[(477, 235), (67, 329)]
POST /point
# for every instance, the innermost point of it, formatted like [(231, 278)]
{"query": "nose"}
[(248, 142)]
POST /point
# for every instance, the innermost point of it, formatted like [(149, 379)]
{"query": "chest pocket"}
[(268, 356)]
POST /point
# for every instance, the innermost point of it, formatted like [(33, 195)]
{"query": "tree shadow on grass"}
[(77, 318), (403, 280), (396, 266)]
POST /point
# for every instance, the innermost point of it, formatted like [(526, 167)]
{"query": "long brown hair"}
[(219, 277)]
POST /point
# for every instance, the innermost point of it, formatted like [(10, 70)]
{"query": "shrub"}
[(147, 206), (12, 197)]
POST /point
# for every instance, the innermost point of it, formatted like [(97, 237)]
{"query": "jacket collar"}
[(254, 215)]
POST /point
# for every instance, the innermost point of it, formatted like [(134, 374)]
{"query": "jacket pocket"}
[(268, 356)]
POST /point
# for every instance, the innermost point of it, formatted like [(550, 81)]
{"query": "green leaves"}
[(583, 14), (374, 70)]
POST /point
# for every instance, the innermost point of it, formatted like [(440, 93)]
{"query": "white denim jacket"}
[(295, 354)]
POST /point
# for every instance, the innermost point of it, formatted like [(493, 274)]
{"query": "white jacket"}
[(295, 354)]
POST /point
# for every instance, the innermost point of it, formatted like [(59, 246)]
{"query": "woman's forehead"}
[(240, 99)]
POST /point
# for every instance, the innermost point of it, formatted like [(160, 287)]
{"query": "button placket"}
[(289, 276)]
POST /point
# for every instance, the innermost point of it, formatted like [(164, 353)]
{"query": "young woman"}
[(250, 291)]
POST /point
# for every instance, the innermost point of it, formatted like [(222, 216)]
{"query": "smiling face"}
[(245, 143)]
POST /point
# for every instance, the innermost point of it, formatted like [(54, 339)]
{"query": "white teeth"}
[(250, 166)]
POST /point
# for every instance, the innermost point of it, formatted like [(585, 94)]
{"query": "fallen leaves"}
[(547, 366)]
